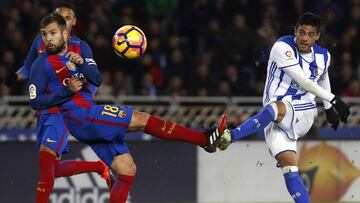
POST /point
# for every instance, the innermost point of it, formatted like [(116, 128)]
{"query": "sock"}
[(71, 167), (295, 185), (255, 123), (120, 190), (46, 179), (170, 131)]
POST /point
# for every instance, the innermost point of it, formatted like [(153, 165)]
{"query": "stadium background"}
[(196, 49)]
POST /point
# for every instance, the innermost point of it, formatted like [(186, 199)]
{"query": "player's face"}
[(54, 38), (69, 16), (306, 36)]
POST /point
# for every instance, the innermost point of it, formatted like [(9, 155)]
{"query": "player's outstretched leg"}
[(171, 131), (72, 167), (267, 114)]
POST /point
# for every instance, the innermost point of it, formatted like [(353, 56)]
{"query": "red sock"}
[(171, 131), (69, 168), (120, 190), (46, 180)]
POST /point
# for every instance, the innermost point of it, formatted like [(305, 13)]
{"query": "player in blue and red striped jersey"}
[(52, 134), (60, 77)]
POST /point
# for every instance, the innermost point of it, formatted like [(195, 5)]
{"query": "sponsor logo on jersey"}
[(50, 140), (59, 70), (32, 91)]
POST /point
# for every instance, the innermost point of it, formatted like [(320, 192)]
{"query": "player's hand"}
[(341, 107), (332, 117), (75, 58), (75, 84), (11, 78)]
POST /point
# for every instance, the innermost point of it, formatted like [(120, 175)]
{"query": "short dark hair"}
[(53, 17), (309, 19), (65, 4)]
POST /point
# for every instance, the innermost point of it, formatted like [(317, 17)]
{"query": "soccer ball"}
[(129, 42)]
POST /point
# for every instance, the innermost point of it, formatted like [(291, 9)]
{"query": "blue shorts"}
[(102, 127), (52, 132)]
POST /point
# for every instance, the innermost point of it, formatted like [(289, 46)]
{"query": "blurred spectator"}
[(176, 87), (353, 89), (147, 86), (106, 87)]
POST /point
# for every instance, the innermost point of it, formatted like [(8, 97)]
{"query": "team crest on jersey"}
[(71, 66), (289, 55), (316, 71), (122, 114)]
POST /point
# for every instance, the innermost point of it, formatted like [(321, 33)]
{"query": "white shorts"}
[(297, 122)]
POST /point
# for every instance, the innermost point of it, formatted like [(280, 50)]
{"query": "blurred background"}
[(204, 58)]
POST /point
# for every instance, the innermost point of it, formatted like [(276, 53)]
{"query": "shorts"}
[(52, 132), (297, 122), (102, 127)]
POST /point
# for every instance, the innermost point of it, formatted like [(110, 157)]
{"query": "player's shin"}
[(295, 185), (256, 123), (171, 131), (120, 190), (46, 179)]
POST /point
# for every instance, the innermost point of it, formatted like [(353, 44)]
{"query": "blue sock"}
[(255, 123), (296, 187)]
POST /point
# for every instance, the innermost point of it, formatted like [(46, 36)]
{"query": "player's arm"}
[(284, 57), (24, 70), (86, 64), (330, 112), (324, 82), (39, 98)]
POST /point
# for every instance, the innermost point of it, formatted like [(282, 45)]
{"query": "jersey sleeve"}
[(39, 98), (30, 58), (327, 63), (89, 68), (307, 84), (324, 81), (283, 55)]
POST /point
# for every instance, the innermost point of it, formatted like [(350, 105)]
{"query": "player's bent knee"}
[(48, 149), (124, 164), (286, 158), (138, 120)]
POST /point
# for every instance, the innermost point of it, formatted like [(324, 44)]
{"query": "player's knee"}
[(138, 120), (286, 158), (124, 165)]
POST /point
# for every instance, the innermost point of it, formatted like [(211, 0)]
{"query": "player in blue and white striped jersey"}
[(297, 73)]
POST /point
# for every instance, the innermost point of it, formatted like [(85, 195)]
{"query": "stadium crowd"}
[(195, 47)]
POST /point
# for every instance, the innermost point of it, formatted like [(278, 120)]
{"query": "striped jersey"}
[(50, 73), (279, 85)]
